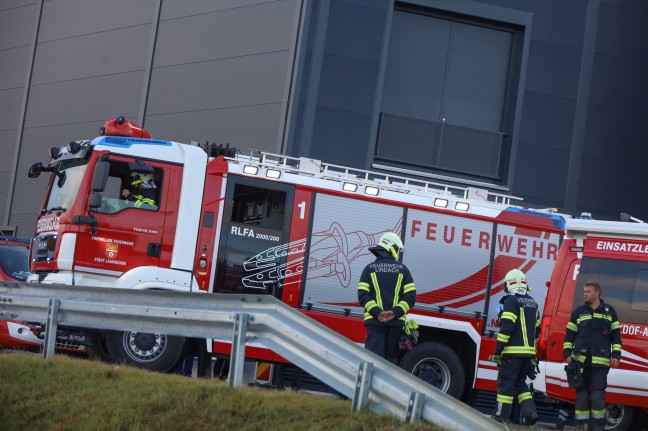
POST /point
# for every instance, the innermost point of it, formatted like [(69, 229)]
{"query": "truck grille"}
[(44, 247)]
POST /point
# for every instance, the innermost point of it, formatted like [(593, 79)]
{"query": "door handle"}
[(154, 249)]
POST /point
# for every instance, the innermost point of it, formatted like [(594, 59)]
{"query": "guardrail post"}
[(50, 328), (415, 407), (237, 358), (362, 386)]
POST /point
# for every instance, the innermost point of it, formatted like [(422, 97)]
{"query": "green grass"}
[(65, 393)]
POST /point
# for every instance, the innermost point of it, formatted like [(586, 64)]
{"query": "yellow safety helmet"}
[(392, 243)]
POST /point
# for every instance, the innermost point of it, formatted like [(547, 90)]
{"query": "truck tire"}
[(621, 418), (96, 348), (154, 352), (438, 365)]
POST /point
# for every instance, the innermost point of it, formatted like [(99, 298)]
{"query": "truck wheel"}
[(96, 348), (620, 418), (154, 352), (438, 365)]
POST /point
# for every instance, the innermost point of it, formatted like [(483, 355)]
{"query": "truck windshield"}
[(66, 185)]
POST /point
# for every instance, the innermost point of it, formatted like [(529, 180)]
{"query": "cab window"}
[(126, 189), (624, 285)]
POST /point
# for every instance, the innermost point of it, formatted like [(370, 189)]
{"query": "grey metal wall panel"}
[(557, 120), (355, 30), (80, 100), (234, 82), (67, 18), (12, 4), (603, 195), (13, 66), (262, 28), (95, 54), (623, 32), (246, 127), (610, 139), (553, 70), (17, 26), (542, 174), (339, 136), (10, 101), (348, 83), (620, 82), (182, 8), (7, 143)]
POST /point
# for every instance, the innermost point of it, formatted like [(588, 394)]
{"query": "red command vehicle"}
[(294, 228), (14, 268), (616, 255)]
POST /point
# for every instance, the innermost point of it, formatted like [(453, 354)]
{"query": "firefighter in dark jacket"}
[(592, 329), (386, 291), (515, 350)]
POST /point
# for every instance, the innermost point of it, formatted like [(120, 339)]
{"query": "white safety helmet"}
[(392, 243), (516, 282)]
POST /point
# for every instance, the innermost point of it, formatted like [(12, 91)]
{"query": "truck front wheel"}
[(438, 365), (154, 352)]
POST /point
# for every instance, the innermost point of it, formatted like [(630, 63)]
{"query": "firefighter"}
[(515, 349), (592, 329), (142, 190), (386, 291)]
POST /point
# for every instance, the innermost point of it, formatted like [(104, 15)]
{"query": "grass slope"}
[(65, 393)]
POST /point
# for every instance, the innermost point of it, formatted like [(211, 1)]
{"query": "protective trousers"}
[(511, 379), (383, 341), (594, 384)]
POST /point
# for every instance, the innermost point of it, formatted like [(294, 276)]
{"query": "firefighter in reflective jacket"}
[(515, 349), (386, 291), (142, 190), (592, 329)]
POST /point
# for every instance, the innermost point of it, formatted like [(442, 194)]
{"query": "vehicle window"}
[(640, 293), (14, 261), (624, 285), (130, 190)]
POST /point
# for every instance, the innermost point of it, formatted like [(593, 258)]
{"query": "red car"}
[(14, 267)]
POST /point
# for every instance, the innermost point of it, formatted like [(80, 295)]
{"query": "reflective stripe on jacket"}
[(386, 284), (519, 327), (593, 333)]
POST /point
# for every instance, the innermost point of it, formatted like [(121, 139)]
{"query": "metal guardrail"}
[(369, 381)]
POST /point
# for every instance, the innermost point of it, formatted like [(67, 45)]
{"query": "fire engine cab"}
[(615, 254), (217, 220)]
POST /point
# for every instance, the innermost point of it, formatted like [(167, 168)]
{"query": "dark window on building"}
[(624, 285), (446, 95)]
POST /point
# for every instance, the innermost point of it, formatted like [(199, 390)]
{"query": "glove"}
[(405, 344), (498, 360), (534, 369), (574, 374), (411, 329)]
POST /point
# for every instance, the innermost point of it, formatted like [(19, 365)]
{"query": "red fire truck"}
[(292, 227), (616, 255)]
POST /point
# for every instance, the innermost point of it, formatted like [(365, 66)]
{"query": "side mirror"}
[(35, 170), (94, 201), (62, 176), (100, 178)]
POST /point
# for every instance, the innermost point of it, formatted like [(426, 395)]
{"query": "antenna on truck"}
[(627, 217)]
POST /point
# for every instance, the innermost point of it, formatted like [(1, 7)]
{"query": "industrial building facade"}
[(544, 100)]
